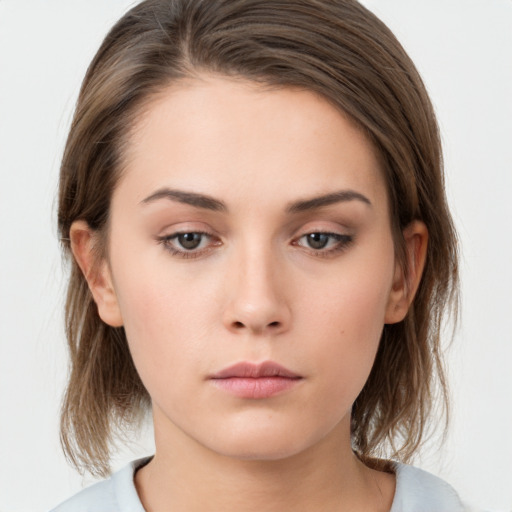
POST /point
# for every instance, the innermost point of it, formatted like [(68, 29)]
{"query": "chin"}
[(268, 443), (256, 451)]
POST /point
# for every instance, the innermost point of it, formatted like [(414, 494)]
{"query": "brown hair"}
[(335, 48)]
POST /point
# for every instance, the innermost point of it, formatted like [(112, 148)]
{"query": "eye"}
[(324, 243), (189, 241), (188, 244), (317, 240)]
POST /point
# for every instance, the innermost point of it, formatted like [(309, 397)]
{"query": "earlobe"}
[(406, 281), (97, 274)]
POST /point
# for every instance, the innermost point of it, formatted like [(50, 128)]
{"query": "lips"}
[(256, 371), (255, 381)]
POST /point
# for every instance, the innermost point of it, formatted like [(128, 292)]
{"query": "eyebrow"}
[(191, 198), (327, 200), (210, 203)]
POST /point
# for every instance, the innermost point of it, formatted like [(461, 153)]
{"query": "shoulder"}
[(420, 491), (115, 494)]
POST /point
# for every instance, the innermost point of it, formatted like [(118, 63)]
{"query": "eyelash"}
[(344, 241), (166, 241)]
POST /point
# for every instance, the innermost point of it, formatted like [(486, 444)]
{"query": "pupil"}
[(189, 240), (318, 240)]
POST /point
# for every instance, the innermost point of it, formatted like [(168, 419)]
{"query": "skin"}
[(254, 290)]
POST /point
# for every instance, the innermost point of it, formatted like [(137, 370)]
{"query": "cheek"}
[(354, 300), (350, 316), (162, 317)]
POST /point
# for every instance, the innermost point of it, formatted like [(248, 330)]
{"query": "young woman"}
[(261, 254)]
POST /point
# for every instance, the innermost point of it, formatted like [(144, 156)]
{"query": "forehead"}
[(239, 140)]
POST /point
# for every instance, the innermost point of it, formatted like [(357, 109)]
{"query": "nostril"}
[(241, 325)]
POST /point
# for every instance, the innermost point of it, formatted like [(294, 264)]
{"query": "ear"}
[(405, 285), (97, 274)]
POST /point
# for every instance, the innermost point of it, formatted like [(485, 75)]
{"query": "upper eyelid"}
[(337, 236), (210, 234), (185, 227), (186, 232), (324, 225), (332, 232), (299, 233)]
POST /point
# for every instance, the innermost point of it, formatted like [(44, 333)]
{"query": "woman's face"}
[(250, 226)]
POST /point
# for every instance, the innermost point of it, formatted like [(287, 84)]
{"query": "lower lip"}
[(255, 388)]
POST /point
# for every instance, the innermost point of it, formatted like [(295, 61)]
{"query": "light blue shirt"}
[(416, 491)]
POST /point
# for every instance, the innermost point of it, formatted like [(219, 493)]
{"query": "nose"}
[(256, 296)]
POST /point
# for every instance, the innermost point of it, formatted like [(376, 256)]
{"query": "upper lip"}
[(255, 370)]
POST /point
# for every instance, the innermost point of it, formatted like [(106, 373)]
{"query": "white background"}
[(463, 48)]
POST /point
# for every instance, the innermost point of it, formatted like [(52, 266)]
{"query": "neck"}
[(184, 475)]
